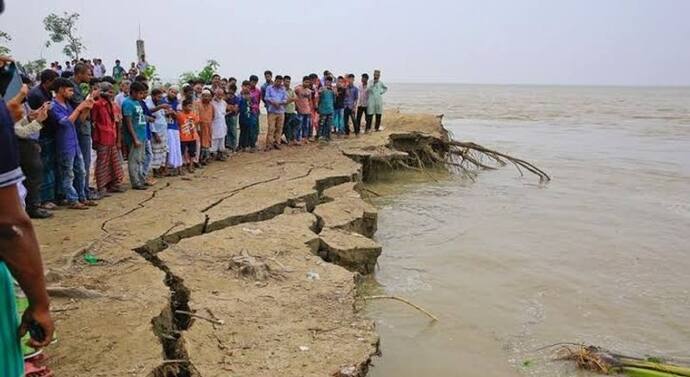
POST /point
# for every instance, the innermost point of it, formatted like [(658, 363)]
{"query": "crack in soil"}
[(139, 206)]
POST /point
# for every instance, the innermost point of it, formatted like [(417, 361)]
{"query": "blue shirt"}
[(66, 133), (36, 98), (133, 110), (274, 94), (351, 96), (232, 99), (326, 102), (147, 112), (246, 114)]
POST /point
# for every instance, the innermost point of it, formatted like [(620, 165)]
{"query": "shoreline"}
[(239, 269)]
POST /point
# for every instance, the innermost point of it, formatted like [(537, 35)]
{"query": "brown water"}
[(600, 255)]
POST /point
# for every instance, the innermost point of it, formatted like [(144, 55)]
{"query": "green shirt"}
[(11, 359), (132, 109), (290, 107)]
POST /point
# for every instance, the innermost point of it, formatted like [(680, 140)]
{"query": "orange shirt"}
[(188, 123)]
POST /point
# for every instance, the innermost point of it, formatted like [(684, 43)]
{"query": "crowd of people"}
[(170, 130)]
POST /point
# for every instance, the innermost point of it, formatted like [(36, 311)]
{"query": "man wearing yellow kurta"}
[(375, 92)]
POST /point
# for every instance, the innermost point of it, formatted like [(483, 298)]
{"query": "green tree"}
[(151, 74), (64, 29), (4, 38), (204, 75), (34, 67)]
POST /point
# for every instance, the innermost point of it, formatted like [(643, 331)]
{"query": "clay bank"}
[(248, 268)]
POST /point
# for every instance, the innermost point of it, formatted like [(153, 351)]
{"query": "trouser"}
[(85, 147), (325, 125), (231, 138), (50, 184), (148, 157), (338, 121), (289, 126), (378, 121), (135, 164), (32, 166), (218, 145), (244, 135), (302, 126), (275, 128), (350, 114), (72, 175), (254, 130), (361, 110)]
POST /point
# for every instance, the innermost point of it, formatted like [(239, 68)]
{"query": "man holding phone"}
[(19, 256), (82, 75)]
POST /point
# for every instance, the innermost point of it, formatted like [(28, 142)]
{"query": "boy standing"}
[(219, 129), (188, 121), (135, 134), (339, 106), (276, 99), (233, 102), (247, 118), (174, 144), (326, 109), (289, 127), (351, 97), (109, 173), (205, 111), (69, 155), (362, 103), (303, 101)]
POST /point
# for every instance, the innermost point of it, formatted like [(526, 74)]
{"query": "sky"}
[(549, 42)]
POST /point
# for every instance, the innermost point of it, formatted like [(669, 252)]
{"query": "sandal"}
[(32, 368), (89, 203), (50, 206), (77, 205)]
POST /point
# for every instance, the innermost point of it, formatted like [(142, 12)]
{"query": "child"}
[(159, 143), (326, 109), (339, 112), (135, 134), (188, 122), (206, 116)]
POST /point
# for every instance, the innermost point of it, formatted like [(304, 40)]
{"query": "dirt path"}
[(225, 272)]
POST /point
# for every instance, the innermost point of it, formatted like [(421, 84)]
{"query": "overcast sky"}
[(619, 42)]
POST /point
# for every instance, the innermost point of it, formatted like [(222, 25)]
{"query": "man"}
[(124, 92), (68, 67), (42, 190), (233, 101), (275, 99), (69, 153), (109, 174), (255, 107), (135, 134), (304, 104), (218, 128), (98, 69), (375, 100), (174, 162), (268, 76), (215, 82), (159, 131), (290, 112), (142, 65), (351, 97), (118, 71), (20, 256), (362, 103), (326, 109), (206, 115), (80, 82)]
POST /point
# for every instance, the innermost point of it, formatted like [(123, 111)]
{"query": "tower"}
[(140, 46)]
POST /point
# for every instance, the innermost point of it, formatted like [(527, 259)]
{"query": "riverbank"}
[(227, 271)]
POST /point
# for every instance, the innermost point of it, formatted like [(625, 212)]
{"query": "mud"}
[(237, 270)]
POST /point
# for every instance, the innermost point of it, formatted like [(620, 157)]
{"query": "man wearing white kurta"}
[(375, 92)]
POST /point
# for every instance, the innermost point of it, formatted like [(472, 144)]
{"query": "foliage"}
[(204, 75), (35, 67), (151, 74), (4, 50), (64, 29)]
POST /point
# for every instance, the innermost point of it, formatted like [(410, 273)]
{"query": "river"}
[(599, 255)]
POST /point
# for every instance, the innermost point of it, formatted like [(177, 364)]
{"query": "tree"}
[(64, 29), (4, 50), (151, 74), (204, 75), (35, 67)]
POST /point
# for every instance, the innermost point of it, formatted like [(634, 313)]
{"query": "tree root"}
[(433, 317)]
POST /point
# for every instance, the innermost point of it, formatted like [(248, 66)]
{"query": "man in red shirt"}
[(109, 175)]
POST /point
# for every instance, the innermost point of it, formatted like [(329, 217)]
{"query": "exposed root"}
[(433, 317), (473, 153)]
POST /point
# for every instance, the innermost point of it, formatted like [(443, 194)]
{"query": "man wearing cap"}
[(109, 175)]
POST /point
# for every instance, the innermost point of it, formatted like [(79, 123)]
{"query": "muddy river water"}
[(600, 255)]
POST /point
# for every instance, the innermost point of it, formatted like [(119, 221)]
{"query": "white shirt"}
[(218, 128), (120, 98), (160, 124), (98, 71)]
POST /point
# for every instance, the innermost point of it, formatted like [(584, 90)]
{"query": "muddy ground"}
[(246, 268)]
